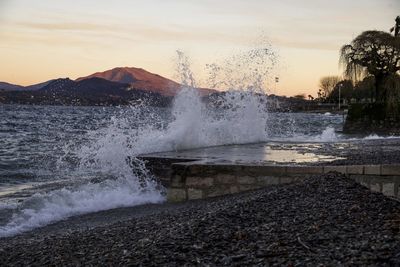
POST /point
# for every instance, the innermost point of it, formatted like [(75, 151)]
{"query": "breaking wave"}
[(106, 172)]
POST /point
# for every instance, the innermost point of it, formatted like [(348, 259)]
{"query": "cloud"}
[(66, 26), (83, 32)]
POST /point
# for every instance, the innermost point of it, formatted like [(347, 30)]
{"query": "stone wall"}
[(160, 167), (196, 181)]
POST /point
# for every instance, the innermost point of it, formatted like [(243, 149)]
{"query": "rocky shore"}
[(327, 219)]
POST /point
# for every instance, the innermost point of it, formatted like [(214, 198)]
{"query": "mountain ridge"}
[(142, 79), (16, 87), (88, 92), (136, 78)]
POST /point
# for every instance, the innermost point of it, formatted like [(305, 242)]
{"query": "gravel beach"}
[(326, 219)]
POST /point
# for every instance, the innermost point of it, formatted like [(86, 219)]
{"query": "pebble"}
[(324, 220)]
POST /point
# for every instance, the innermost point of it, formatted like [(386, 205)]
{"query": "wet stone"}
[(268, 180), (372, 169), (225, 179), (176, 195), (393, 169), (177, 181), (246, 180), (196, 181), (194, 193), (355, 169)]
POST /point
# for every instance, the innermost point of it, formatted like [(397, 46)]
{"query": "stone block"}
[(304, 169), (223, 168), (217, 191), (364, 180), (300, 177), (177, 181), (286, 180), (194, 193), (375, 187), (234, 189), (176, 195), (248, 187), (246, 180), (178, 168), (388, 189), (225, 179), (339, 169), (266, 170), (392, 169), (267, 180), (196, 181), (194, 169), (372, 169), (356, 177), (355, 169)]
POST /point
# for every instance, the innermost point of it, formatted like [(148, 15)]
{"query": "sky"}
[(46, 39)]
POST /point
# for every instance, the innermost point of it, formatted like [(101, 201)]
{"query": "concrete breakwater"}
[(197, 181), (198, 177), (191, 181)]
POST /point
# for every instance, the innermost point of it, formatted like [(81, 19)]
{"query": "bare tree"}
[(327, 84)]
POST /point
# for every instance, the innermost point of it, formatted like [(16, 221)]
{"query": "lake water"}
[(57, 162)]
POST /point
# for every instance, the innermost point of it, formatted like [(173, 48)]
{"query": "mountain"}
[(119, 86), (10, 87), (91, 86), (101, 92), (88, 92), (13, 87), (141, 79), (37, 86)]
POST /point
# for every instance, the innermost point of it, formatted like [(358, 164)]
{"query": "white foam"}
[(327, 135), (42, 209), (377, 137)]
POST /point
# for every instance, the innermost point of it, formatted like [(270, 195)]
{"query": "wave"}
[(111, 153), (42, 209)]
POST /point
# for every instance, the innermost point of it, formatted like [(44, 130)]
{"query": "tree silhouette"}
[(373, 53), (326, 85), (364, 90), (396, 27), (300, 96), (346, 90)]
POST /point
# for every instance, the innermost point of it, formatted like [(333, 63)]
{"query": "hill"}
[(141, 79), (88, 92), (10, 87)]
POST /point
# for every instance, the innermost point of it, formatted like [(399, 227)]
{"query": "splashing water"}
[(119, 181), (241, 117), (109, 174)]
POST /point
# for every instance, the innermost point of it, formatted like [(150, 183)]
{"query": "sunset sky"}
[(45, 39)]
